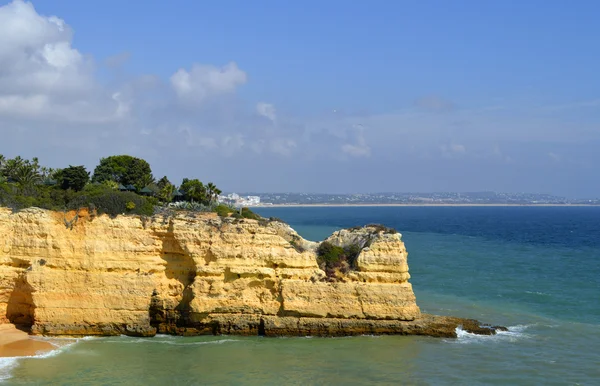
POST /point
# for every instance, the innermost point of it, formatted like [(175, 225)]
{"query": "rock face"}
[(198, 274)]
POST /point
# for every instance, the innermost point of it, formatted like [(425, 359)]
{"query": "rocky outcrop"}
[(194, 274)]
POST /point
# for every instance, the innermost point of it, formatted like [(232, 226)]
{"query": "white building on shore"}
[(237, 200)]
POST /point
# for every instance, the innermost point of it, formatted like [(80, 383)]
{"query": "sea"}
[(535, 270)]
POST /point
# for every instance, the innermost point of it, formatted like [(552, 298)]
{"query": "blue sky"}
[(326, 96)]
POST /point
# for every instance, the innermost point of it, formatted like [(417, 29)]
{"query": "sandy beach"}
[(17, 343)]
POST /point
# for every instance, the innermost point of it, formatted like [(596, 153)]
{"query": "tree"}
[(125, 170), (73, 177), (194, 191), (26, 176), (165, 194), (10, 167), (212, 192), (163, 182)]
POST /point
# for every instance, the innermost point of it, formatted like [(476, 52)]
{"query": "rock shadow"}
[(181, 267), (19, 309)]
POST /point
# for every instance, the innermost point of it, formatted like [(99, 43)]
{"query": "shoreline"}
[(420, 205), (17, 343)]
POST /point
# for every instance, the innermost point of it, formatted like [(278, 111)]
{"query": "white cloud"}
[(54, 105), (358, 150), (359, 147), (43, 77), (203, 81), (266, 110), (282, 146), (231, 144), (452, 150)]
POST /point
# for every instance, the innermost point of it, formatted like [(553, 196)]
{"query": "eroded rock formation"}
[(199, 274)]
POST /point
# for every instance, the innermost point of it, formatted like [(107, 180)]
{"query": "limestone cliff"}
[(198, 274)]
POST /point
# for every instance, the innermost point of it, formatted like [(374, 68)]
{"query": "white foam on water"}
[(8, 364), (220, 341), (513, 334), (177, 341), (537, 293)]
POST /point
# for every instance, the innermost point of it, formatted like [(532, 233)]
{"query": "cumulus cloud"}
[(202, 81), (54, 105), (266, 110), (43, 76)]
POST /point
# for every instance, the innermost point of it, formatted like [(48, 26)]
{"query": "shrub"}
[(113, 202), (191, 206), (223, 210), (247, 213), (329, 254), (382, 228), (332, 258)]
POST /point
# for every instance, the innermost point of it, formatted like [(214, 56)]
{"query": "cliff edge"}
[(191, 274)]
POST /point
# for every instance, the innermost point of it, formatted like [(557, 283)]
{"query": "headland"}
[(188, 273)]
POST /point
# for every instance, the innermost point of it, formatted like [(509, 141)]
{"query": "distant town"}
[(444, 198)]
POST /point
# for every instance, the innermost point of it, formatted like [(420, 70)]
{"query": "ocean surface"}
[(534, 269)]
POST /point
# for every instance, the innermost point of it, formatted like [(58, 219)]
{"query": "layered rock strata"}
[(191, 274)]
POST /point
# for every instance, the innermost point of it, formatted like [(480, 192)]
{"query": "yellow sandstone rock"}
[(192, 274)]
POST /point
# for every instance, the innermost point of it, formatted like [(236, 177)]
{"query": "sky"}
[(322, 96)]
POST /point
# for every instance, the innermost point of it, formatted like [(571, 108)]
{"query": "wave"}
[(7, 364), (513, 334), (6, 367), (174, 341), (537, 293)]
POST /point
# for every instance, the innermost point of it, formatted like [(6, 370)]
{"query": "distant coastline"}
[(413, 205)]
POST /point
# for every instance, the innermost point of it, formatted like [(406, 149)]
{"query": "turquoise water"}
[(536, 270)]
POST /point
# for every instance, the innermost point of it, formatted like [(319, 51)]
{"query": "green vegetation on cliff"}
[(120, 184), (334, 259)]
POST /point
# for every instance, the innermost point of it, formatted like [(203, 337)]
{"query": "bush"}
[(113, 202), (247, 213), (191, 206), (382, 228), (332, 258), (223, 210), (329, 254)]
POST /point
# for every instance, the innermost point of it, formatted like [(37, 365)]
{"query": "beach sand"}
[(17, 343)]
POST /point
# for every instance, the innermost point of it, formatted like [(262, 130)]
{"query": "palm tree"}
[(166, 193), (11, 166), (27, 176), (212, 192)]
